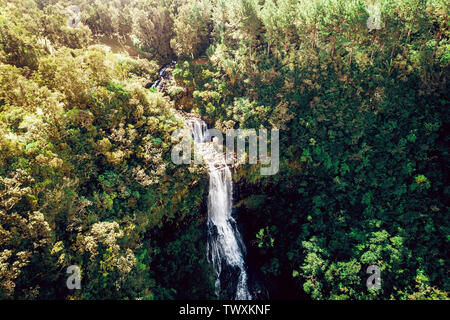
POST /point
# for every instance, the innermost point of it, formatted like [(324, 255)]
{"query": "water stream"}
[(164, 75)]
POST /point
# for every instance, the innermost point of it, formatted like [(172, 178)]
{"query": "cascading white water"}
[(199, 130), (163, 76), (225, 246)]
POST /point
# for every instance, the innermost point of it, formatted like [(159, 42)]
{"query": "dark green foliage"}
[(85, 170)]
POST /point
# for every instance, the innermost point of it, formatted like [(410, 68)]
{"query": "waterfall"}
[(225, 248), (163, 76), (199, 130)]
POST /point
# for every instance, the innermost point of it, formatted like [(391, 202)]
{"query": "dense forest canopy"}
[(86, 176)]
